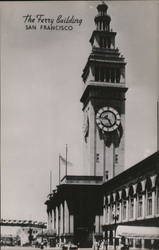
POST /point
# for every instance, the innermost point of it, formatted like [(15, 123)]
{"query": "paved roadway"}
[(33, 248)]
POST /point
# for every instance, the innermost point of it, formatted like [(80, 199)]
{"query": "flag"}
[(64, 161)]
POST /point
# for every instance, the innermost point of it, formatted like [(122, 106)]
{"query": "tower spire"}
[(104, 100)]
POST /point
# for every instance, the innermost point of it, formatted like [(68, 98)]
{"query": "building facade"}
[(84, 209), (132, 199)]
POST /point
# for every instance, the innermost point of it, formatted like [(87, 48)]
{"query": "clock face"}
[(108, 119)]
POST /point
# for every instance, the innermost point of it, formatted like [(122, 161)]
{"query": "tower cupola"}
[(102, 20)]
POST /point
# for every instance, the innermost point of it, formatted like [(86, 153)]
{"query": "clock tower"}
[(104, 102)]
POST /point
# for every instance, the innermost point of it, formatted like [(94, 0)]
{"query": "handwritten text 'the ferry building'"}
[(44, 22)]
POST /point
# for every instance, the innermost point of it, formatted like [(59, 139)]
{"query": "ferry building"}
[(109, 203)]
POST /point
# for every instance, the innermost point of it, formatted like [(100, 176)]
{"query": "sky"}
[(41, 86)]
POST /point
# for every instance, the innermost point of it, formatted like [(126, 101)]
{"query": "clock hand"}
[(108, 120)]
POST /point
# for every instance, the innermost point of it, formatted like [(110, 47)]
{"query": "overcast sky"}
[(42, 85)]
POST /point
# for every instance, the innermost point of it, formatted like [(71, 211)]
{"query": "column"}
[(135, 201), (120, 207), (120, 212), (57, 221), (66, 218), (71, 223), (142, 243), (108, 235), (53, 219), (100, 223), (153, 202), (115, 75), (135, 207), (127, 209), (113, 237), (108, 214), (127, 204), (122, 78), (143, 183), (97, 224), (153, 180), (49, 220), (61, 219)]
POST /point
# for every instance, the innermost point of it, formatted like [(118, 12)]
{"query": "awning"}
[(138, 232)]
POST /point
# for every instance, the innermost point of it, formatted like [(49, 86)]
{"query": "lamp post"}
[(115, 218)]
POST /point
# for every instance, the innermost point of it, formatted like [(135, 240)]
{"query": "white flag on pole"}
[(63, 160)]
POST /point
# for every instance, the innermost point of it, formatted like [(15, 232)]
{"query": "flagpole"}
[(59, 168), (66, 159), (50, 181)]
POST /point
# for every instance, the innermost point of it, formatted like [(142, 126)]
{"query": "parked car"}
[(69, 246)]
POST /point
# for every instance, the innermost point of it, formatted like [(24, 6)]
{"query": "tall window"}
[(149, 203), (139, 207), (131, 203), (111, 212), (131, 207), (106, 214), (124, 210), (139, 200), (148, 197), (123, 205)]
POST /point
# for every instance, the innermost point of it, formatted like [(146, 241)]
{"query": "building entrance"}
[(83, 237)]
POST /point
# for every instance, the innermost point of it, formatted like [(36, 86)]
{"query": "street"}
[(33, 248)]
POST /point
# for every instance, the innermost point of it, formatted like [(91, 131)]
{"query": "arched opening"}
[(106, 209), (117, 200), (131, 202), (111, 207), (139, 200), (123, 204), (148, 197)]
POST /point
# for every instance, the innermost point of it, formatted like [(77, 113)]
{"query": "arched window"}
[(123, 205), (157, 195), (117, 206), (148, 197), (111, 208), (106, 210), (139, 200), (131, 203)]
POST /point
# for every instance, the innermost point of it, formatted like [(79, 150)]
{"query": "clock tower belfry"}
[(104, 101)]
